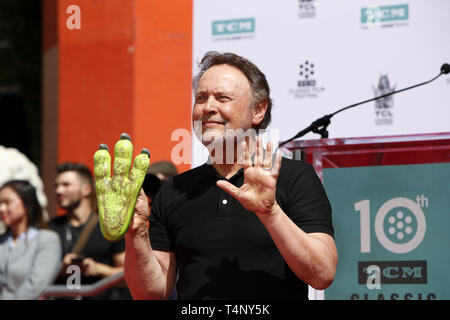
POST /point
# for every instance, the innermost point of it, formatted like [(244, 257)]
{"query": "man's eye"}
[(200, 98), (223, 98)]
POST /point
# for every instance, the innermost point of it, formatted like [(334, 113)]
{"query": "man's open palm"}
[(257, 193)]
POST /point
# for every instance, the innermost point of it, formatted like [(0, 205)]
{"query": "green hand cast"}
[(117, 195)]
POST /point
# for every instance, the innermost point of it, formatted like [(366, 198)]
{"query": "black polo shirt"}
[(223, 251)]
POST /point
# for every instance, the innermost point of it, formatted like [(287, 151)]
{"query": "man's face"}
[(70, 189), (222, 101)]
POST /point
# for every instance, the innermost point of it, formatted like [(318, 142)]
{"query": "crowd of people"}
[(37, 251)]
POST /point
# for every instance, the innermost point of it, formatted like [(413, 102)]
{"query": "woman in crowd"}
[(30, 254)]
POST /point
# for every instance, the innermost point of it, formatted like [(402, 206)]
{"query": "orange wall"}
[(128, 69), (162, 75), (95, 78)]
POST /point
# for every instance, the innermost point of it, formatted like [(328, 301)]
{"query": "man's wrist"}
[(270, 215)]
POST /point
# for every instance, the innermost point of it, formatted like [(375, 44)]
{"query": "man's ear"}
[(86, 189), (259, 112)]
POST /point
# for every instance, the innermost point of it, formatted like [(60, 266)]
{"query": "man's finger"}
[(142, 207), (267, 164), (228, 188), (141, 212), (247, 160), (277, 166), (241, 152), (259, 153)]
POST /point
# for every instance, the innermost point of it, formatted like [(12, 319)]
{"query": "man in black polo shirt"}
[(255, 227)]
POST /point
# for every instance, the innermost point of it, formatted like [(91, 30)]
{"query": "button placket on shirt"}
[(225, 201), (224, 204)]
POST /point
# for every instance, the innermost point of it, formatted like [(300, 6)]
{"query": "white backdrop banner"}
[(320, 56)]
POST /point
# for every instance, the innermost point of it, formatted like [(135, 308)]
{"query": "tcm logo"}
[(379, 16), (306, 9), (375, 273), (236, 26)]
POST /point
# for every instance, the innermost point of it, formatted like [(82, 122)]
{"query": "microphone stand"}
[(320, 125)]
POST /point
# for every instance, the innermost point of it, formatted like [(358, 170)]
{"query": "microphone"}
[(320, 125), (445, 69)]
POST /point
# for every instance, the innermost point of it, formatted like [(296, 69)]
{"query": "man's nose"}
[(210, 106), (58, 189)]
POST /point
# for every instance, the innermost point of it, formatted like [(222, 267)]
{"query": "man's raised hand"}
[(117, 195), (257, 193)]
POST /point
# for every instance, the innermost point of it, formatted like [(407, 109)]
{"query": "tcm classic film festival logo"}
[(307, 85), (233, 29), (399, 227), (384, 16)]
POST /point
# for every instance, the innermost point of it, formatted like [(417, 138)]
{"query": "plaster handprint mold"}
[(117, 195)]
